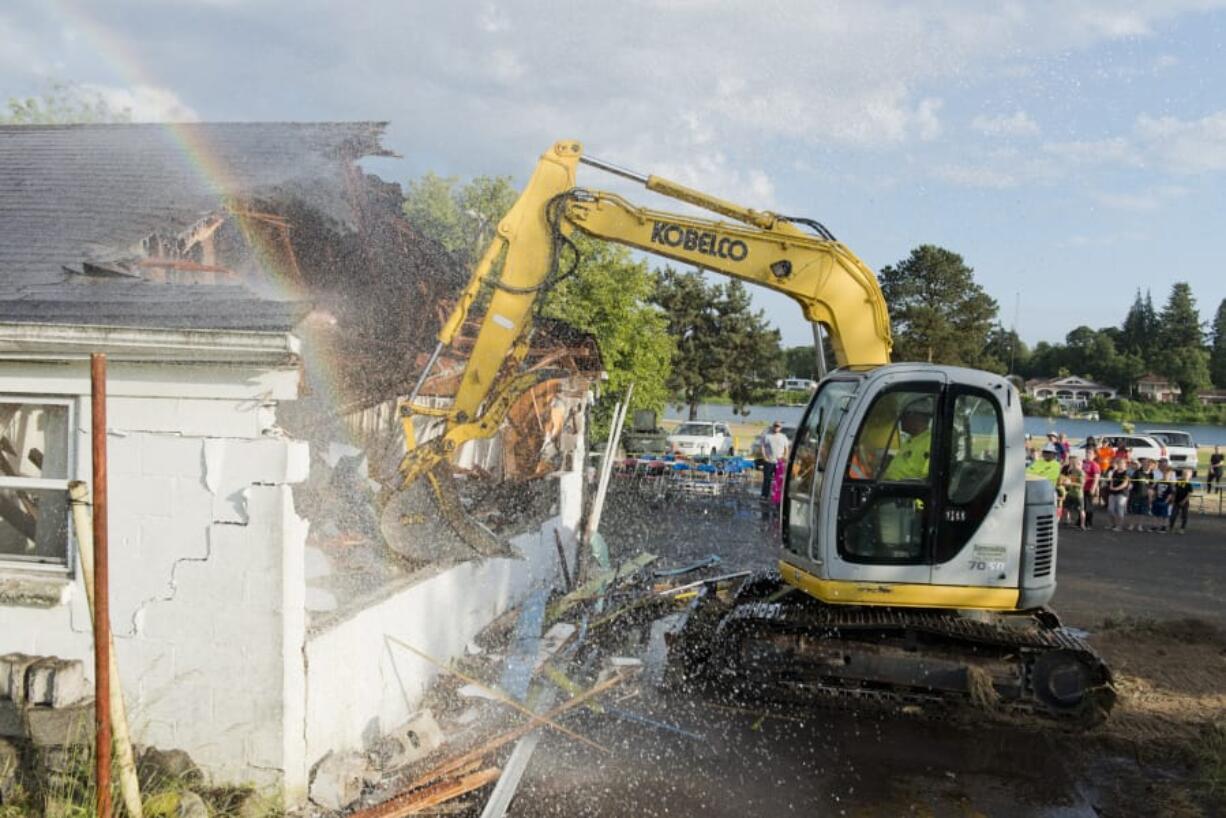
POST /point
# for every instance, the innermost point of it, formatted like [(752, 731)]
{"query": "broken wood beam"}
[(430, 796), (450, 766)]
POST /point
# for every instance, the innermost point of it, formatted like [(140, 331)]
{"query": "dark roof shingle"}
[(76, 193)]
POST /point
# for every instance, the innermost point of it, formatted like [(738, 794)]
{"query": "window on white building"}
[(35, 458)]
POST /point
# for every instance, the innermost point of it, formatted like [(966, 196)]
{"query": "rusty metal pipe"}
[(102, 596)]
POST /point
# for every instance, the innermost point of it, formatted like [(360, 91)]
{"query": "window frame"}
[(11, 562), (876, 489)]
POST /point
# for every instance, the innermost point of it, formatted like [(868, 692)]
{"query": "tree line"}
[(940, 314), (682, 338)]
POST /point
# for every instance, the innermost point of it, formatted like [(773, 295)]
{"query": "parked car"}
[(755, 451), (701, 438), (1139, 446), (645, 435), (1180, 446)]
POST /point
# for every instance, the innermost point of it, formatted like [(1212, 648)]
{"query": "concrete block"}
[(220, 418), (13, 667), (12, 725), (338, 780), (410, 742), (56, 727), (159, 768), (145, 496), (169, 455), (231, 466), (122, 455), (53, 682)]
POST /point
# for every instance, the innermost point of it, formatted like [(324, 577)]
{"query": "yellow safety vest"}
[(1047, 469), (911, 461)]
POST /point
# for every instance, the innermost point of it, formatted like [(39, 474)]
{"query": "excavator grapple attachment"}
[(425, 521)]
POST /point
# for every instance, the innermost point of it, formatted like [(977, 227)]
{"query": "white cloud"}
[(1142, 201), (1111, 151), (1018, 123), (977, 176), (492, 19), (927, 125), (145, 103), (1185, 146)]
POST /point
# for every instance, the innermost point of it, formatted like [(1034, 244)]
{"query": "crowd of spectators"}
[(1136, 494)]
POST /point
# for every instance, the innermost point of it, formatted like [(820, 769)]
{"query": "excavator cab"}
[(906, 487)]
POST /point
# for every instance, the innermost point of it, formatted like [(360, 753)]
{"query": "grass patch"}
[(1211, 763)]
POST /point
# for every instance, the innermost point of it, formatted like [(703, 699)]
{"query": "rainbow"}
[(212, 170)]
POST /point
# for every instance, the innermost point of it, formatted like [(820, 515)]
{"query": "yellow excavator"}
[(924, 556)]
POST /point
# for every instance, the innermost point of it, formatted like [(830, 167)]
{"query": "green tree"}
[(1139, 333), (1005, 352), (460, 217), (723, 346), (799, 362), (749, 363), (939, 314), (1180, 352), (64, 103), (608, 296), (1217, 357)]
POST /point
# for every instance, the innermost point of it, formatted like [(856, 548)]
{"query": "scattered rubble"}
[(551, 665)]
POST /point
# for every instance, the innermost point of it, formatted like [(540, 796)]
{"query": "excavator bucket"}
[(425, 522)]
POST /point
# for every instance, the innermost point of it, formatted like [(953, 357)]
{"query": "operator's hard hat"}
[(1050, 448)]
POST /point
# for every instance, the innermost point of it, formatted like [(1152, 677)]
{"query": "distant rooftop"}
[(99, 224)]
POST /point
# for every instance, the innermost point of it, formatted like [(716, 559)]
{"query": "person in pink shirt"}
[(1090, 491)]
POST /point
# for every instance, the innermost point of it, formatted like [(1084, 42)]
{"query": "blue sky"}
[(1070, 151)]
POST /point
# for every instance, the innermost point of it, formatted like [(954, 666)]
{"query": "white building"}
[(231, 641), (1071, 392)]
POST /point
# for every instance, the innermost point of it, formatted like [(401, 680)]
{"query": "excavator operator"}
[(910, 462)]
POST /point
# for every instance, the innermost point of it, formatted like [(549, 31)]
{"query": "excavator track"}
[(799, 651)]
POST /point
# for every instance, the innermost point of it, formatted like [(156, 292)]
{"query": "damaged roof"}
[(79, 202)]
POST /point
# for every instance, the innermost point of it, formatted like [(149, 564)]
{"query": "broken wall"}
[(207, 569), (361, 684)]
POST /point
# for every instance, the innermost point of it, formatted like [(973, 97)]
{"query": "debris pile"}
[(566, 658)]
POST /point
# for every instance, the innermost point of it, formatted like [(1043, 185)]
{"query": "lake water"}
[(1203, 434)]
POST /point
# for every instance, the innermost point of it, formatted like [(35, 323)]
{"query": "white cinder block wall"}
[(207, 571), (360, 684), (208, 579)]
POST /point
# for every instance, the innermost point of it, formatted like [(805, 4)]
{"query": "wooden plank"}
[(449, 767), (431, 796)]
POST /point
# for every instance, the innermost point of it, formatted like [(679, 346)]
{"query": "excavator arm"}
[(831, 285)]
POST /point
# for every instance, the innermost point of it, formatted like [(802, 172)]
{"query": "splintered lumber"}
[(495, 694), (430, 796), (595, 586), (449, 767), (708, 581)]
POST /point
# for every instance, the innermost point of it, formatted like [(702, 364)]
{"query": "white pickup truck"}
[(1180, 447), (701, 438)]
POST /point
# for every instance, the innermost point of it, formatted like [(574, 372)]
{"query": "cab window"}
[(884, 507), (811, 451)]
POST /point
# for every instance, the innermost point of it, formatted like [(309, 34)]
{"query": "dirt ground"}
[(1152, 604)]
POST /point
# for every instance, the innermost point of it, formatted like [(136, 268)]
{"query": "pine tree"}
[(1179, 352), (1217, 357)]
